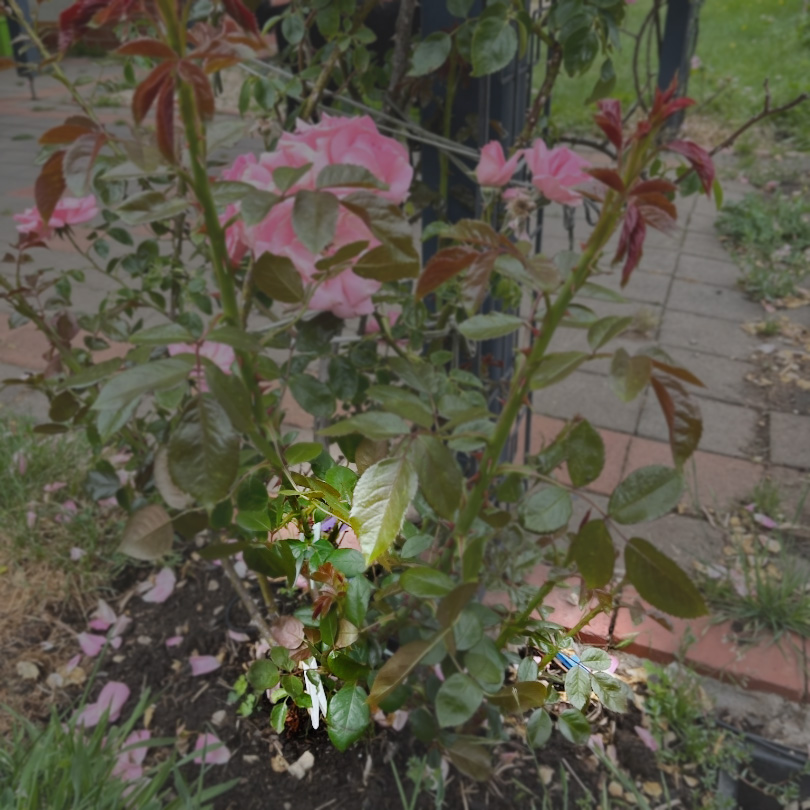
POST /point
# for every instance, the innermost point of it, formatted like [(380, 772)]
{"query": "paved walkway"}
[(684, 296)]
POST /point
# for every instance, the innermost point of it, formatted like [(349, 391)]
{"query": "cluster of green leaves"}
[(771, 236)]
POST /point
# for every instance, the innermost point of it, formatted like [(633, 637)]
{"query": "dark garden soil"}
[(203, 608)]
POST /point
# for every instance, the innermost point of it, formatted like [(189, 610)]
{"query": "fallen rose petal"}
[(174, 641), (77, 553), (103, 616), (72, 664), (237, 636), (764, 520), (215, 753), (111, 699), (91, 643), (121, 626), (54, 486), (647, 738), (106, 503), (203, 664), (21, 461), (163, 588), (30, 519)]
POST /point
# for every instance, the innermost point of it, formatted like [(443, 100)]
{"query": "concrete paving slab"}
[(727, 429), (708, 335), (790, 440), (704, 245), (708, 271), (716, 302)]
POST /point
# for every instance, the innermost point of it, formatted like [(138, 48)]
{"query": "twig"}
[(553, 65), (248, 601), (576, 776), (601, 147), (767, 111), (402, 42)]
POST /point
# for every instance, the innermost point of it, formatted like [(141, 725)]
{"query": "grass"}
[(740, 44), (62, 767), (771, 238)]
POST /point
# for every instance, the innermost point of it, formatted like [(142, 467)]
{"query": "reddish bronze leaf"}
[(82, 153), (699, 158), (50, 185), (147, 91), (443, 266), (631, 242), (679, 372), (164, 120), (238, 11), (151, 48), (476, 283), (610, 177), (682, 416), (655, 199), (609, 120), (656, 184), (64, 133), (203, 94)]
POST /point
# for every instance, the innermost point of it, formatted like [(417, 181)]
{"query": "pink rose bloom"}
[(494, 170), (556, 171), (220, 354), (346, 295), (68, 211)]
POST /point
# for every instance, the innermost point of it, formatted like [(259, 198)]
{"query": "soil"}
[(202, 609)]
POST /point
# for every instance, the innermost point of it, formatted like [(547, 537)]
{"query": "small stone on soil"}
[(615, 790), (218, 718)]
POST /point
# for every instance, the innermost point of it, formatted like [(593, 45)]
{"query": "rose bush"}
[(400, 521)]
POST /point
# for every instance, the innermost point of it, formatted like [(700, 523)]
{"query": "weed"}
[(767, 498), (770, 327), (64, 767), (772, 237)]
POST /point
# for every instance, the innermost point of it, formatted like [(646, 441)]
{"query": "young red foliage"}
[(50, 185)]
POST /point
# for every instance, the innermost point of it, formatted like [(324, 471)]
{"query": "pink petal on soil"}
[(103, 616), (163, 587), (72, 664), (174, 641), (30, 519), (21, 461), (91, 644), (112, 697), (646, 738), (54, 486), (121, 626), (765, 521), (236, 636), (216, 752), (77, 553), (203, 664)]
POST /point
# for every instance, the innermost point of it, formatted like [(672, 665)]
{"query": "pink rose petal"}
[(72, 664), (103, 616), (163, 588), (236, 636), (54, 486), (112, 697), (91, 643), (77, 553), (646, 738), (121, 626), (203, 664), (30, 519), (216, 752), (174, 641), (764, 520)]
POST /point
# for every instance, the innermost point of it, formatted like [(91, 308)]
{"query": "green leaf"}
[(486, 663), (148, 534), (278, 279), (605, 329), (539, 728), (312, 395), (399, 666), (610, 691), (356, 604), (285, 177), (133, 383), (150, 206), (629, 375), (546, 510), (595, 659), (344, 175), (430, 54), (585, 454), (518, 698), (255, 521), (90, 376), (230, 392), (204, 451), (348, 561), (574, 726), (457, 700), (256, 205), (229, 191), (381, 498), (302, 452), (440, 477), (415, 545), (348, 716), (646, 494), (314, 219), (372, 425), (593, 552), (468, 630), (491, 325), (252, 495), (402, 402), (471, 758), (660, 581), (278, 717), (162, 335), (494, 45), (426, 583), (235, 337), (555, 367), (262, 675), (578, 686)]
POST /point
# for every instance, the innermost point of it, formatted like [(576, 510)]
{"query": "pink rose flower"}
[(494, 170), (556, 171), (68, 211)]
